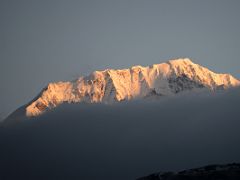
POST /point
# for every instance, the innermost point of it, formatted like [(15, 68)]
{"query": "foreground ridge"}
[(108, 86), (210, 172)]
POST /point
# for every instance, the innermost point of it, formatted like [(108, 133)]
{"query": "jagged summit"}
[(110, 85)]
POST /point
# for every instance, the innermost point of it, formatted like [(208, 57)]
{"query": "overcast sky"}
[(44, 41)]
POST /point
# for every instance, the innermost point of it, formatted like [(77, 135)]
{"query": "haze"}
[(125, 140), (44, 41)]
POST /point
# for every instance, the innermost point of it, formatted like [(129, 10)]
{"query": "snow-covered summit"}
[(108, 86)]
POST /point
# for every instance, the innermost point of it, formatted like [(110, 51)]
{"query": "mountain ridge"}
[(214, 171), (110, 85)]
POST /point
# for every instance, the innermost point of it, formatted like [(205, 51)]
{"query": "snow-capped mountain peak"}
[(110, 85)]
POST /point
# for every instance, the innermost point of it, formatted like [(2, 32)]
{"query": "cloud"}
[(125, 140)]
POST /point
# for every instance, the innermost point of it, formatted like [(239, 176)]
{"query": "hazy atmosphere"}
[(44, 41), (123, 141), (119, 124)]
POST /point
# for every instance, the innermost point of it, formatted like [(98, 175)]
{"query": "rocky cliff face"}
[(108, 86), (211, 172)]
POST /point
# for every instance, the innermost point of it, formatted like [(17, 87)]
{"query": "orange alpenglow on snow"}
[(110, 85)]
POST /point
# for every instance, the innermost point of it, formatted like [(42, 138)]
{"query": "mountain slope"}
[(210, 172), (111, 85)]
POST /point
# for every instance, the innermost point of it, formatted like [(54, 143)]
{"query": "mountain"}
[(137, 82), (125, 140), (210, 172)]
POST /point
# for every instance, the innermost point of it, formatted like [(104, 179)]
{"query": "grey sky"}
[(44, 41)]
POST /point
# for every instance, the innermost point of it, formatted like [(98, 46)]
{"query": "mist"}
[(123, 141), (58, 40)]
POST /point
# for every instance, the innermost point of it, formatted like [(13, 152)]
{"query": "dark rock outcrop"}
[(210, 172)]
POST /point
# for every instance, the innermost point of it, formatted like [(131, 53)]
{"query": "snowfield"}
[(108, 86)]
